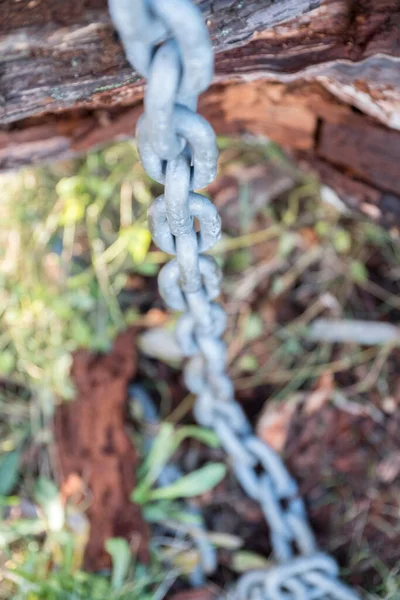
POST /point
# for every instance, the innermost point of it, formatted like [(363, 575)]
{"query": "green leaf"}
[(287, 243), (73, 211), (202, 434), (45, 491), (156, 512), (11, 532), (138, 240), (163, 447), (165, 444), (240, 260), (225, 540), (253, 327), (247, 561), (47, 496), (292, 347), (120, 553), (9, 471), (81, 332), (68, 186), (147, 269), (278, 286), (248, 362), (194, 484), (358, 272), (7, 362), (322, 229), (342, 241)]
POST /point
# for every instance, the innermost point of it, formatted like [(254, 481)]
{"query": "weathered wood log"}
[(95, 455), (320, 78)]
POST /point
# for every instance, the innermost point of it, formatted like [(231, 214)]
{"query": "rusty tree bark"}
[(321, 78), (97, 459)]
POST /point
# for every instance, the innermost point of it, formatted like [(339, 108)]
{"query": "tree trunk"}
[(320, 78)]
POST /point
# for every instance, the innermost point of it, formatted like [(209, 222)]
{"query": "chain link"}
[(168, 42)]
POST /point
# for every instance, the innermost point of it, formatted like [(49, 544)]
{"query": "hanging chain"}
[(167, 42)]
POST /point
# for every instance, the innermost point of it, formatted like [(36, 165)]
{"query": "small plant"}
[(70, 235), (43, 555), (164, 446), (73, 244)]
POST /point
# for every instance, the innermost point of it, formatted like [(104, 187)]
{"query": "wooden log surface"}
[(322, 79), (59, 54)]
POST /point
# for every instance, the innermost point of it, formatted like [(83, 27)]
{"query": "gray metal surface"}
[(178, 148)]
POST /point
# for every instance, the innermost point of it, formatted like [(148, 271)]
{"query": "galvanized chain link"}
[(168, 42)]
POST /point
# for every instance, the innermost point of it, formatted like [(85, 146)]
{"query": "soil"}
[(97, 458), (348, 469)]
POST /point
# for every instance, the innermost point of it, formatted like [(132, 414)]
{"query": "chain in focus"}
[(167, 42)]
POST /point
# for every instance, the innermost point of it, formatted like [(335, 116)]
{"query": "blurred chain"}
[(146, 413), (168, 42)]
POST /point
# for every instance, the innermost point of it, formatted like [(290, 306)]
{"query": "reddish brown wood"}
[(368, 151), (95, 449)]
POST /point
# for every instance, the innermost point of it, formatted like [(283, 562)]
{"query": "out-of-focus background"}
[(312, 293)]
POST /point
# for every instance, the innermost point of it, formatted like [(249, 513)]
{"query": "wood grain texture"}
[(321, 79), (58, 56), (94, 447), (367, 150)]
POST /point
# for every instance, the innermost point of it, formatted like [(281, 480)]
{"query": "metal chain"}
[(168, 43)]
